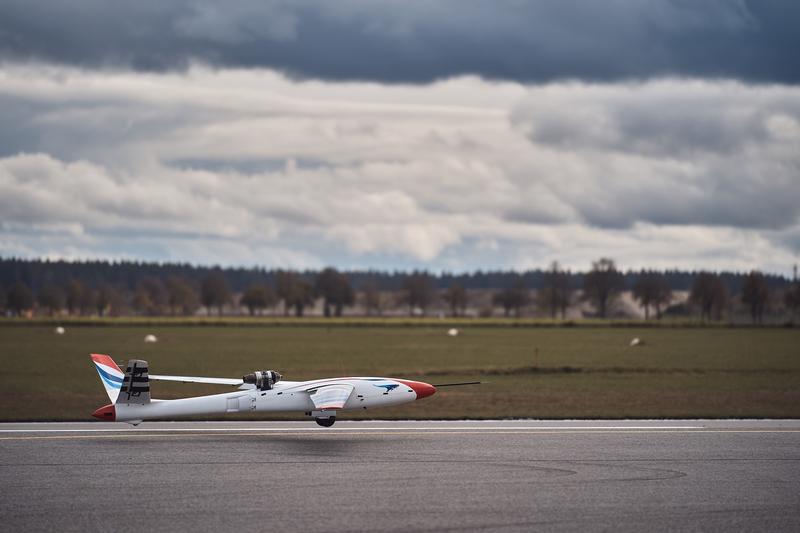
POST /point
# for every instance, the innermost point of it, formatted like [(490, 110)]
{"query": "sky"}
[(451, 135)]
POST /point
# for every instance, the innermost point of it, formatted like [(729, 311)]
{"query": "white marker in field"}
[(60, 331), (150, 338), (453, 332)]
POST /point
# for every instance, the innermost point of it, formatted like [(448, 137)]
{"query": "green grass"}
[(358, 321), (679, 372)]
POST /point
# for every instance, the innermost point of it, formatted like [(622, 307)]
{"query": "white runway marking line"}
[(350, 433), (423, 429)]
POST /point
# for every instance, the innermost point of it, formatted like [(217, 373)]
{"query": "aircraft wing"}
[(193, 379), (331, 397)]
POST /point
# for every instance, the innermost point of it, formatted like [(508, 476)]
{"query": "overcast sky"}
[(449, 135)]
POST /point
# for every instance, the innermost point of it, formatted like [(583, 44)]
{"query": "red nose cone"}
[(423, 390), (106, 413)]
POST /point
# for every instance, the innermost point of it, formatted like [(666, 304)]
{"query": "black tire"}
[(326, 422)]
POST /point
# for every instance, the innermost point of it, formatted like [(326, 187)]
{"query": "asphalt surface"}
[(676, 475)]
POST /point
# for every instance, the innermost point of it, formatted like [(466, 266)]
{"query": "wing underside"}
[(331, 397)]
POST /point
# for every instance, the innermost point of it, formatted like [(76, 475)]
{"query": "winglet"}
[(110, 374)]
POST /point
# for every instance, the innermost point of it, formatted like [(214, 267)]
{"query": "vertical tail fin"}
[(110, 375)]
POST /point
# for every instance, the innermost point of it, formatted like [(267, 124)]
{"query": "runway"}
[(402, 476)]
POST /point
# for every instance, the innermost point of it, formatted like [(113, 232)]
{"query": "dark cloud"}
[(674, 152), (418, 41), (672, 120), (22, 136)]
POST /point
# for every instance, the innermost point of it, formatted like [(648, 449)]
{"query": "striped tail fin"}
[(110, 375)]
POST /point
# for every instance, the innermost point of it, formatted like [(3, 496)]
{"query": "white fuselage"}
[(368, 392)]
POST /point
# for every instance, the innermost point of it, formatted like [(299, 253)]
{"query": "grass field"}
[(360, 321), (533, 372)]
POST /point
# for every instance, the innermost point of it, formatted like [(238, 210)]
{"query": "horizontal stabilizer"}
[(194, 379)]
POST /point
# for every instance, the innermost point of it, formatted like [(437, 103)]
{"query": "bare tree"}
[(284, 285), (335, 290), (652, 289), (103, 297), (150, 297), (214, 291), (295, 292), (258, 298), (51, 298), (556, 293), (80, 298), (19, 298), (456, 298), (513, 298), (75, 296), (792, 298), (709, 294), (88, 300), (418, 291), (181, 296), (108, 300), (755, 294), (602, 285), (302, 296), (373, 303)]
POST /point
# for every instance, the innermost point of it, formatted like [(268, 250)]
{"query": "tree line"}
[(36, 273), (101, 288)]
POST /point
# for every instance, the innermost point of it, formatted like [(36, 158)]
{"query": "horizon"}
[(393, 271)]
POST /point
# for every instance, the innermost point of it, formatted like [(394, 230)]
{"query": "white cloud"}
[(249, 167)]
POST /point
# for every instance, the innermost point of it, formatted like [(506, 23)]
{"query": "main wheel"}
[(326, 422)]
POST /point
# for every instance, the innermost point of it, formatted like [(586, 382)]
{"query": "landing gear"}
[(326, 422)]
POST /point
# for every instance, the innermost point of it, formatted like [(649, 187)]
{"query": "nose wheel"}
[(325, 422)]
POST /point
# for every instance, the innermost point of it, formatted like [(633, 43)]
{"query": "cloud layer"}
[(417, 42), (251, 167)]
